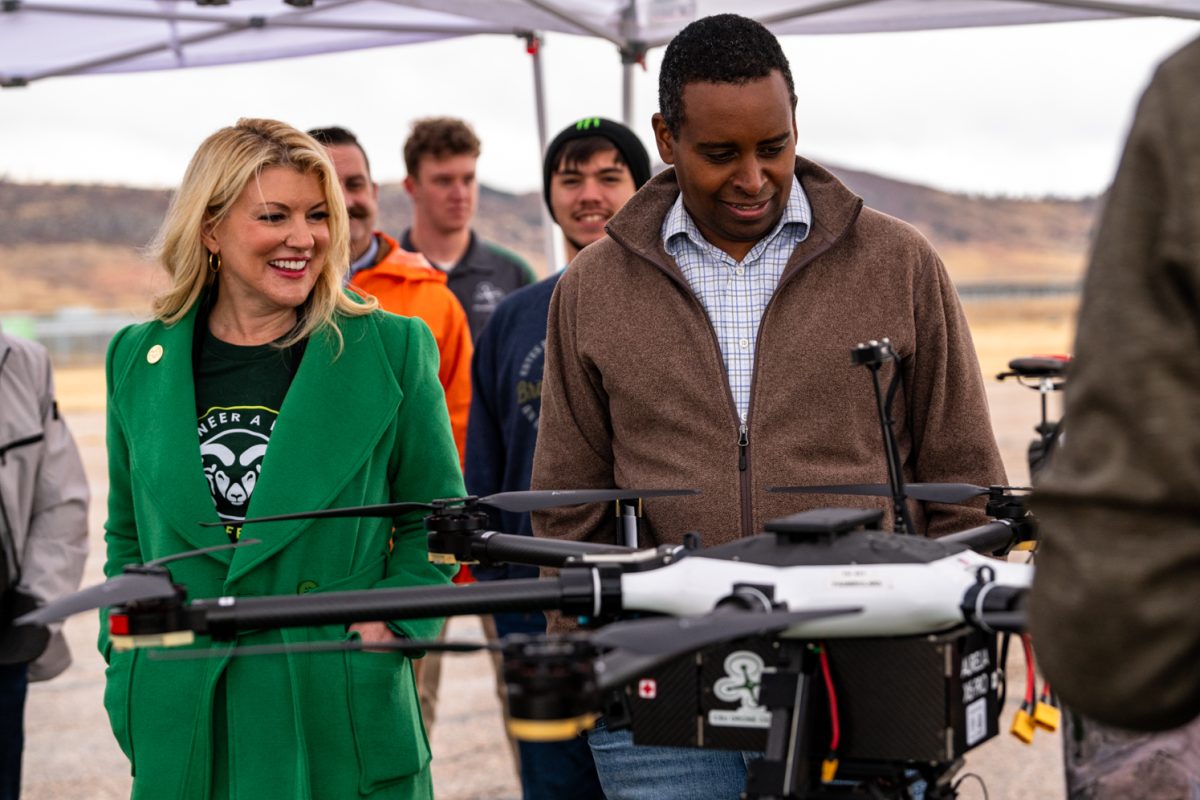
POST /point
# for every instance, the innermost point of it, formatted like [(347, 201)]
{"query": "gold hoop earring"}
[(214, 263)]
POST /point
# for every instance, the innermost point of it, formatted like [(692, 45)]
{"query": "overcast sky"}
[(1025, 110)]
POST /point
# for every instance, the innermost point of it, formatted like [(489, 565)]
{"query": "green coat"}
[(368, 426)]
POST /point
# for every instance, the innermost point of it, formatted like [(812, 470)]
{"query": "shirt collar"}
[(367, 259), (797, 218)]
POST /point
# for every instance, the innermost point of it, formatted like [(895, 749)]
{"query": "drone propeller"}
[(536, 500), (124, 588), (505, 501), (952, 493), (149, 581), (640, 645)]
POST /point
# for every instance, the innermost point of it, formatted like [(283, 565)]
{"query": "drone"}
[(855, 660)]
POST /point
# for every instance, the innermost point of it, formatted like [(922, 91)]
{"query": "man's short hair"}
[(725, 48), (334, 136), (580, 151), (438, 137)]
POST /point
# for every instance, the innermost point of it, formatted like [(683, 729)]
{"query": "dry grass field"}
[(70, 753), (1006, 329)]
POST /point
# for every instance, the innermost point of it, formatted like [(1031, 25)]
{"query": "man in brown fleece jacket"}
[(706, 344), (1114, 606)]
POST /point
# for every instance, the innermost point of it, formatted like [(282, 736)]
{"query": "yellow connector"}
[(1047, 716), (1023, 726), (828, 769), (550, 730), (171, 639)]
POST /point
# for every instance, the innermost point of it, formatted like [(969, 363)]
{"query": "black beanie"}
[(633, 153)]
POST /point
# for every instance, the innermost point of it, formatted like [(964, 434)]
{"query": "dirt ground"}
[(70, 753)]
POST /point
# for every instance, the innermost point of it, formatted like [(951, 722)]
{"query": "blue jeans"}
[(551, 770), (13, 685), (630, 772)]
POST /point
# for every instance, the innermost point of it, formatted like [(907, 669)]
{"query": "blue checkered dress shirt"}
[(735, 293)]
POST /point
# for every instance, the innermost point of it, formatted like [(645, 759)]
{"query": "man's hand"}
[(372, 632)]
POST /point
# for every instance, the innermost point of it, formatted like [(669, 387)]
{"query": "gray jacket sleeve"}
[(56, 545), (1118, 580), (50, 518)]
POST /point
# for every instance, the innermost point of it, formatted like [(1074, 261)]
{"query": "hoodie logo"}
[(486, 297), (529, 384), (233, 442)]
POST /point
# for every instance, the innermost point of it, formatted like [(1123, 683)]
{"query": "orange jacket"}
[(406, 284)]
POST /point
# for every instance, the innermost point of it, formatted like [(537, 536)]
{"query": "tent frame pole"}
[(533, 46)]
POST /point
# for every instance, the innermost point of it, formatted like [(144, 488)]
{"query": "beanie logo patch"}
[(586, 123)]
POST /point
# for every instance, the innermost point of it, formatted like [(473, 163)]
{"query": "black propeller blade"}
[(554, 498), (505, 501), (158, 562), (640, 645), (952, 493), (147, 582), (124, 588), (381, 510)]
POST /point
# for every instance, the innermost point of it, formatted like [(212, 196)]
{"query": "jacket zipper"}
[(744, 468), (743, 443)]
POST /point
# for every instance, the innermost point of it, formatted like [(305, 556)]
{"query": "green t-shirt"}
[(239, 391)]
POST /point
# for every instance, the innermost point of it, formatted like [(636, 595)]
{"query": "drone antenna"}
[(873, 355)]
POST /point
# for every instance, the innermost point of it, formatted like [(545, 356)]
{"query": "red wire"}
[(833, 709), (1030, 679)]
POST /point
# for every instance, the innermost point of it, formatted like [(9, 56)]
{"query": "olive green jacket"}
[(1118, 584), (366, 426)]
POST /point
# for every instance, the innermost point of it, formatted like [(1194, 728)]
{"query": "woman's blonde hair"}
[(215, 178)]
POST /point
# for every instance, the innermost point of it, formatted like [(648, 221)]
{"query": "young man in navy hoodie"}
[(591, 169)]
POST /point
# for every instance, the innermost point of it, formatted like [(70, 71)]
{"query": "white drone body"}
[(896, 599)]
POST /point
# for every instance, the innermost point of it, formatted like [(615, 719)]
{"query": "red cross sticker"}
[(647, 688)]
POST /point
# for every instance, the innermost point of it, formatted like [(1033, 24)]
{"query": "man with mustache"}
[(705, 343), (403, 282)]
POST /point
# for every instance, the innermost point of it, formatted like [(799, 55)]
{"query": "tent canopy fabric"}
[(45, 38)]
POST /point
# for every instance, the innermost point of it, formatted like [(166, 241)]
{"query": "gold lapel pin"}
[(155, 354)]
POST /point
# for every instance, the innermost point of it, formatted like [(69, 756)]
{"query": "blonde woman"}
[(261, 388)]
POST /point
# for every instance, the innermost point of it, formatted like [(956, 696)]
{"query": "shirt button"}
[(740, 271), (744, 343)]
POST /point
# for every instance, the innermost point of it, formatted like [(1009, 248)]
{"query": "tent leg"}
[(533, 46)]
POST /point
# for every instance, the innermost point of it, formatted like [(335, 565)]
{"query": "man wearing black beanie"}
[(587, 174), (591, 169)]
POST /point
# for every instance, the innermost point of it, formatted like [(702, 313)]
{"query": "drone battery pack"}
[(907, 699)]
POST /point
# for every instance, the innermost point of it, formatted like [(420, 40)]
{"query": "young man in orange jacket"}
[(403, 282)]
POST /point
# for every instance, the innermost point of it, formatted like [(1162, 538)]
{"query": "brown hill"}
[(75, 245)]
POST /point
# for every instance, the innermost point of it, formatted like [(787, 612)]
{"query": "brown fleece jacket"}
[(1114, 607), (635, 392)]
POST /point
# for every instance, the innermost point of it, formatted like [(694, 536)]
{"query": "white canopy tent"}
[(47, 38)]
